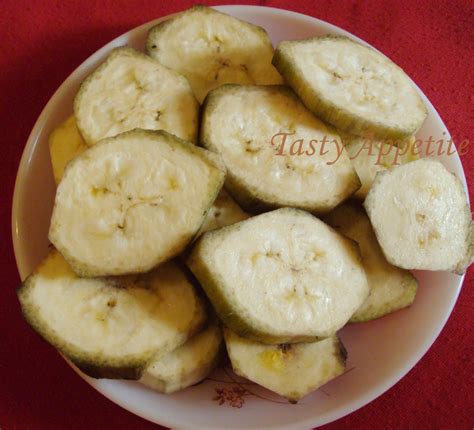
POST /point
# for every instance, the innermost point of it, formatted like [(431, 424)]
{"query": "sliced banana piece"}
[(280, 277), (291, 370), (211, 48), (370, 156), (111, 327), (273, 150), (420, 214), (391, 288), (223, 212), (132, 202), (65, 143), (351, 86), (131, 90), (186, 365)]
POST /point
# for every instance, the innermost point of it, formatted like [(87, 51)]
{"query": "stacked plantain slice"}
[(178, 227)]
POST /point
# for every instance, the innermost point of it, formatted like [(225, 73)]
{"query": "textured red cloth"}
[(42, 42)]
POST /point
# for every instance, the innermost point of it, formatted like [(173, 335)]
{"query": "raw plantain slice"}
[(391, 288), (421, 217), (371, 156), (111, 327), (186, 365), (65, 143), (211, 48), (223, 212), (131, 90), (291, 370), (351, 86), (133, 201), (280, 277), (245, 125)]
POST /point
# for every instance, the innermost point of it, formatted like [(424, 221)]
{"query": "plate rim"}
[(20, 185)]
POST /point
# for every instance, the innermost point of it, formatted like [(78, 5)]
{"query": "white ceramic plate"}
[(380, 352)]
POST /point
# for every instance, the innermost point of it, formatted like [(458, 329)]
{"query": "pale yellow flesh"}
[(112, 318), (65, 144), (286, 273), (369, 156), (186, 365), (131, 202), (241, 126), (223, 212), (211, 48), (359, 79), (293, 371), (391, 288), (421, 217), (131, 90)]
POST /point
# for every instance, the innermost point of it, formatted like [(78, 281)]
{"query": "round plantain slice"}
[(65, 143), (291, 370), (224, 211), (211, 48), (421, 217), (391, 288), (276, 152), (131, 90), (186, 365), (370, 156), (133, 201), (111, 327), (351, 86), (280, 277)]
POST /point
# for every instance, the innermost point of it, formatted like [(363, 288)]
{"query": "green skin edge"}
[(90, 78), (213, 363), (250, 200), (405, 301), (462, 265), (217, 359), (224, 310), (245, 198), (320, 106), (130, 367), (157, 29), (353, 211), (341, 356), (86, 270)]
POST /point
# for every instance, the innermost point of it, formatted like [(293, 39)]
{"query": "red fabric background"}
[(41, 42)]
